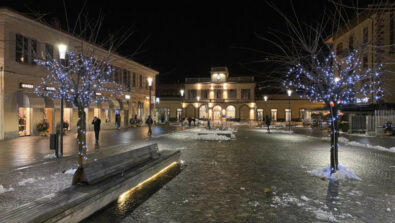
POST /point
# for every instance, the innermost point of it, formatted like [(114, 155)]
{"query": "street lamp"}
[(62, 56), (182, 104), (289, 91), (150, 106), (265, 99)]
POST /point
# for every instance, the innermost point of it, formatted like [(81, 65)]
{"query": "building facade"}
[(222, 97), (21, 40)]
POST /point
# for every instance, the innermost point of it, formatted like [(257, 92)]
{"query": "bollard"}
[(53, 143)]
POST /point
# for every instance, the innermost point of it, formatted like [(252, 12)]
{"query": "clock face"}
[(218, 77)]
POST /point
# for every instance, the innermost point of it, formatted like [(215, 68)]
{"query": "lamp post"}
[(182, 105), (150, 106), (265, 99), (289, 91), (62, 56)]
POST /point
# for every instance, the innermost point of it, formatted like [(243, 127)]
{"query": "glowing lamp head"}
[(265, 98), (289, 92), (157, 100), (332, 104), (198, 98), (149, 81), (127, 96), (182, 92), (337, 79), (62, 51)]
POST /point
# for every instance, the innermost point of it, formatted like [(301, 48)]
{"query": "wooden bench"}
[(77, 202), (107, 167)]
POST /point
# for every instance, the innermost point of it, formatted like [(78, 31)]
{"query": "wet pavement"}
[(385, 141), (226, 182), (28, 150)]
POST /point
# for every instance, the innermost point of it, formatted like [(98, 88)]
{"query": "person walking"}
[(118, 120), (149, 122), (268, 120), (96, 126), (189, 121)]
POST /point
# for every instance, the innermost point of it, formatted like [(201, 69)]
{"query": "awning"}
[(114, 104), (30, 100), (105, 104), (124, 104)]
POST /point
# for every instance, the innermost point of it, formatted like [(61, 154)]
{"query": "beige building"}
[(21, 40), (374, 32), (222, 97)]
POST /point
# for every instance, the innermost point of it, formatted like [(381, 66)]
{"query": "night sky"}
[(186, 39)]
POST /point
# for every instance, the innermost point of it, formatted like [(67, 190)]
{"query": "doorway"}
[(48, 117), (24, 121)]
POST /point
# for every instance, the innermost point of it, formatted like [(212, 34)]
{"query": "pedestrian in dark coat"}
[(96, 126), (149, 122), (268, 120)]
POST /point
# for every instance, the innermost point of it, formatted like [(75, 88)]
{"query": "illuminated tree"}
[(334, 80), (81, 80)]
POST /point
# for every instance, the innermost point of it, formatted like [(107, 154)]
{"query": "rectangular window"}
[(48, 51), (134, 79), (25, 49), (192, 94), (365, 34), (273, 114), (365, 61), (117, 76), (125, 78), (204, 94), (245, 93), (128, 80), (287, 115), (301, 113), (232, 93), (218, 94), (141, 81), (351, 43)]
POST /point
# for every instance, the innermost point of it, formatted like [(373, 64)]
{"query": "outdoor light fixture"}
[(289, 92), (157, 100), (337, 79), (98, 94), (149, 81), (182, 92), (62, 51), (198, 98), (147, 97), (127, 96), (265, 98)]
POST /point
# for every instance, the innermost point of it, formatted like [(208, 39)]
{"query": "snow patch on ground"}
[(341, 175), (70, 171), (26, 181), (50, 156), (213, 137), (319, 210), (4, 190), (346, 141)]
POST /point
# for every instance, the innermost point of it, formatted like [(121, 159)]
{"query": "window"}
[(365, 33), (134, 79), (365, 61), (301, 113), (141, 81), (128, 80), (25, 49), (192, 94), (218, 94), (117, 75), (48, 51), (245, 93), (232, 93), (204, 94), (273, 113), (287, 115), (339, 49), (351, 43)]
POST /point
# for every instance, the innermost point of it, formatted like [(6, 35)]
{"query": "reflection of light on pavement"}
[(127, 194)]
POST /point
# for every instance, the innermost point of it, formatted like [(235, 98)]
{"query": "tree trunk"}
[(81, 138), (334, 139)]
